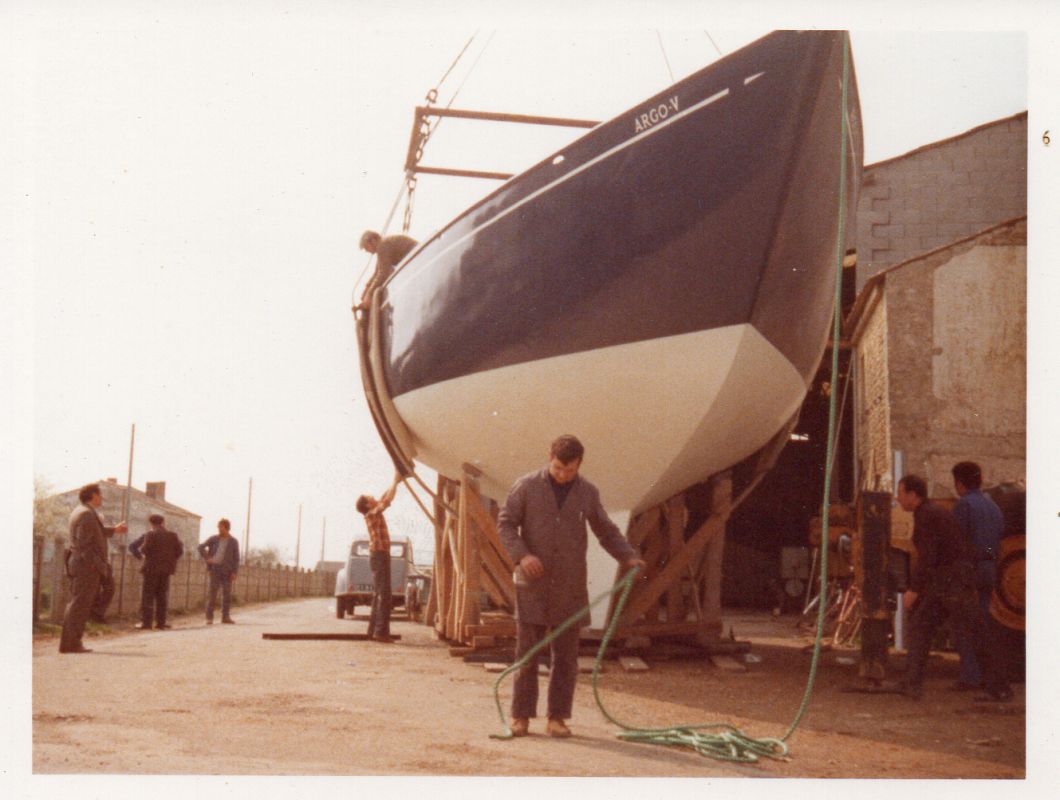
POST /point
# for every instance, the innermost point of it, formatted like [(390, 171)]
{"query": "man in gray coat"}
[(88, 565), (543, 527)]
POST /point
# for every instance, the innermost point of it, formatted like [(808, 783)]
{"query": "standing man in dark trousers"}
[(88, 565), (221, 553), (159, 549), (379, 559), (942, 585), (543, 527), (981, 524)]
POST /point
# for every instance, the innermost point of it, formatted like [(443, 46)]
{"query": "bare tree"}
[(264, 556), (46, 516)]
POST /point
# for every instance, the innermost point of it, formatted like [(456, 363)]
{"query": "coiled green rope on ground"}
[(719, 740)]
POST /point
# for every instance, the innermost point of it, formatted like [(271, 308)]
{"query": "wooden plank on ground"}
[(492, 628), (586, 663), (495, 666), (728, 663), (332, 637), (489, 656), (633, 664)]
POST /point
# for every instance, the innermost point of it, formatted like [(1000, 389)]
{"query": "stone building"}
[(142, 504), (940, 193), (941, 363)]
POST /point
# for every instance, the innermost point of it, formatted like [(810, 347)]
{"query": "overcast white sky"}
[(196, 177), (190, 181)]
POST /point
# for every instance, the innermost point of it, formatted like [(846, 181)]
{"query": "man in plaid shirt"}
[(379, 559)]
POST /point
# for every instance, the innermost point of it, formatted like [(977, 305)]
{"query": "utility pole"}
[(246, 539), (323, 533), (298, 540), (125, 519)]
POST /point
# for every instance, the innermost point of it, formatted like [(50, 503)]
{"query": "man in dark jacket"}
[(942, 585), (388, 252), (159, 549), (542, 526), (88, 565), (221, 553), (982, 525)]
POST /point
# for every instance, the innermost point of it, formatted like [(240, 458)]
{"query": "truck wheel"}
[(340, 607)]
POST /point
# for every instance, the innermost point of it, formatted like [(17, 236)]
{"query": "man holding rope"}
[(543, 527)]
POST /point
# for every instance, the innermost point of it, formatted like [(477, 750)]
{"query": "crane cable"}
[(431, 96), (723, 741), (427, 129)]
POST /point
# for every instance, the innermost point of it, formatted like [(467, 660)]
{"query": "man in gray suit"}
[(543, 528), (88, 565)]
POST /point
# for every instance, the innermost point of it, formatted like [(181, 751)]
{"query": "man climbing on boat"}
[(388, 252), (542, 525)]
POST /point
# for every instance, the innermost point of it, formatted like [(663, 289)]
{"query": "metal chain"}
[(426, 129)]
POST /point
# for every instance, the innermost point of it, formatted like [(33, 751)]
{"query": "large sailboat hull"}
[(662, 287)]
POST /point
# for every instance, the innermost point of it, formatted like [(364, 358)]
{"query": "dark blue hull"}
[(713, 203)]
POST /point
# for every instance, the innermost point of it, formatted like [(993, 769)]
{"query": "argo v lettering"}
[(654, 115)]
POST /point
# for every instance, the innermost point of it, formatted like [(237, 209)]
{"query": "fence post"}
[(38, 565), (58, 580)]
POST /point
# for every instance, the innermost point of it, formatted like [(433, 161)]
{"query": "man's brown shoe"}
[(557, 728), (520, 726)]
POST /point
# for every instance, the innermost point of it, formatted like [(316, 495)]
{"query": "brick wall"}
[(941, 193)]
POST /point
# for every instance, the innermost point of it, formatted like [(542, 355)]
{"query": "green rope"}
[(723, 741), (836, 310), (728, 744)]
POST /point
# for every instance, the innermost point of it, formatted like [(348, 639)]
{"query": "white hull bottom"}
[(655, 417)]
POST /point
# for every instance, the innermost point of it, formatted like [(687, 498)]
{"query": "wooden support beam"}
[(645, 596), (495, 116), (472, 556), (713, 555), (675, 529), (643, 525)]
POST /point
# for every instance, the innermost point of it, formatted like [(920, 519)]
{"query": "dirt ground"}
[(221, 700)]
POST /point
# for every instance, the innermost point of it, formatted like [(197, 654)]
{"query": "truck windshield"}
[(397, 549)]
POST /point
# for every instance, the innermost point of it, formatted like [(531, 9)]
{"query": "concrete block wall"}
[(957, 363), (941, 193), (187, 588)]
